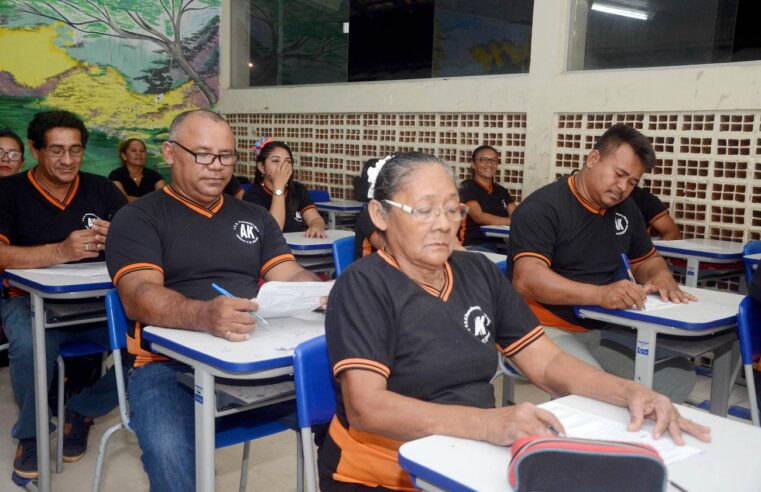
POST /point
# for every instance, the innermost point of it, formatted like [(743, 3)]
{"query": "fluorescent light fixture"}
[(622, 11)]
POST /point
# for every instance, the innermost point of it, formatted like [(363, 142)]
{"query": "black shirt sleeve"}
[(651, 206), (302, 193), (534, 230), (641, 246), (363, 230), (133, 240), (359, 326)]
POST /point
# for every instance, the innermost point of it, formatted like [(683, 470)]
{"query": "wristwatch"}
[(278, 192)]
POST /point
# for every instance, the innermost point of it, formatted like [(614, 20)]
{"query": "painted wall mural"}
[(126, 66)]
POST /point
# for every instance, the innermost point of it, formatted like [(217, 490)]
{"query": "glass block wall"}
[(330, 148)]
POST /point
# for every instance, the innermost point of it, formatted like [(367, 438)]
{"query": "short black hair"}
[(8, 133), (478, 149), (47, 120), (624, 134)]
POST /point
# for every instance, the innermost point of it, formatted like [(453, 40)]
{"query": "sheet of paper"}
[(76, 270), (282, 299), (584, 425), (654, 302)]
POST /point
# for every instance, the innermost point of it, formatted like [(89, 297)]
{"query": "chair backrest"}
[(117, 337), (749, 330), (319, 196), (502, 265), (750, 248), (343, 253), (313, 378)]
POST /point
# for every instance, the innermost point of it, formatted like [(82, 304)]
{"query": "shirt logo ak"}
[(246, 232), (476, 322), (621, 223)]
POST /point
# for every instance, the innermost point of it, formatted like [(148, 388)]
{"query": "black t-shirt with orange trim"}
[(363, 231), (232, 243), (651, 206), (492, 201), (578, 241), (147, 183), (294, 220), (435, 346), (30, 216)]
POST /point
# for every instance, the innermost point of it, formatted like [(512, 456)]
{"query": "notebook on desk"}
[(58, 311), (232, 393)]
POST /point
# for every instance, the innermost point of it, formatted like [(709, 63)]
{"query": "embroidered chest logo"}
[(477, 322), (246, 232), (297, 216), (621, 223), (88, 219)]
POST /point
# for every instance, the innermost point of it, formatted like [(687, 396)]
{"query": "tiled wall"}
[(708, 171), (330, 148)]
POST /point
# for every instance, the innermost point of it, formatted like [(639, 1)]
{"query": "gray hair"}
[(396, 172), (178, 120)]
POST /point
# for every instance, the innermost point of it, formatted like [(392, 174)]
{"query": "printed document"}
[(284, 299), (585, 425)]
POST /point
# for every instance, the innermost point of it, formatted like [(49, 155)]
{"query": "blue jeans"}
[(163, 417), (94, 401)]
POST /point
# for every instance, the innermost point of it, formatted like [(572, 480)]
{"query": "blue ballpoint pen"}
[(252, 313), (628, 267)]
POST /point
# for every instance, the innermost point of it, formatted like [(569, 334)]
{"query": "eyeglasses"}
[(206, 158), (453, 213), (12, 155), (485, 161), (60, 150)]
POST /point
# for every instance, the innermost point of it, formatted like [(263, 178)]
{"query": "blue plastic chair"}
[(315, 397), (749, 333), (750, 248), (231, 429), (343, 254), (319, 196), (67, 351)]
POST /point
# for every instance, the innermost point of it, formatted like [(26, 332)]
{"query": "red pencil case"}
[(547, 464)]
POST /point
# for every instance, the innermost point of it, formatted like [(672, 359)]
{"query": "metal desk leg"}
[(331, 220), (41, 393), (721, 383), (205, 428), (691, 273), (644, 360)]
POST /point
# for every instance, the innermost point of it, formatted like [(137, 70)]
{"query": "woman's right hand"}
[(281, 174), (503, 426)]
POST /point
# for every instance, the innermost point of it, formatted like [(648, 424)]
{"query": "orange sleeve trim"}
[(548, 318), (643, 258), (4, 239), (665, 212), (275, 262), (364, 364), (524, 341), (133, 268), (533, 255), (308, 207)]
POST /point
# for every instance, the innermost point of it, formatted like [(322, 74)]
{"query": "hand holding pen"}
[(622, 294), (239, 335)]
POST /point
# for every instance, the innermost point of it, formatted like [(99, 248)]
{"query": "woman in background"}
[(488, 202), (133, 178), (274, 189)]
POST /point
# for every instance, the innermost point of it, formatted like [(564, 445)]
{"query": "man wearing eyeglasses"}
[(164, 253), (50, 214)]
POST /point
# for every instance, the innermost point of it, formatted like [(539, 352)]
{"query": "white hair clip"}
[(372, 174)]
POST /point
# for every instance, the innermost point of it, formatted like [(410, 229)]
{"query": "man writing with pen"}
[(567, 243), (164, 252)]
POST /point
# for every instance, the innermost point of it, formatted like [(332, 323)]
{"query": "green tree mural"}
[(156, 21)]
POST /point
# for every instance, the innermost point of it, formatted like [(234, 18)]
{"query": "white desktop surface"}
[(501, 231), (346, 206), (267, 353), (729, 462), (715, 250), (302, 245)]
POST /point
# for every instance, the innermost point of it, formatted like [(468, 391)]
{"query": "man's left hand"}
[(663, 283), (647, 404)]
